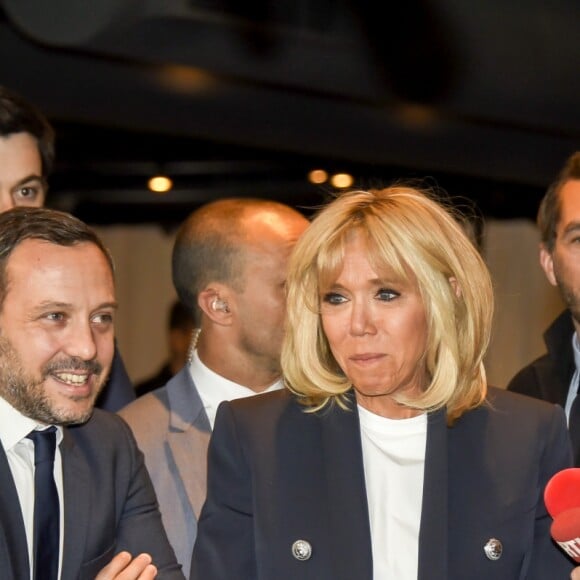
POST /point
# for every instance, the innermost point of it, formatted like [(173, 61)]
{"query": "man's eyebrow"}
[(572, 226), (53, 304), (31, 177), (64, 305)]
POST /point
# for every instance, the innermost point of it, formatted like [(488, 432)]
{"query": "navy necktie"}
[(46, 506)]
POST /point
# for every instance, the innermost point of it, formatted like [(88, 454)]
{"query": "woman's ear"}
[(455, 286)]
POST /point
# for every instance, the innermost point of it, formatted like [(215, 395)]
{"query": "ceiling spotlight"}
[(160, 184), (341, 180), (317, 176)]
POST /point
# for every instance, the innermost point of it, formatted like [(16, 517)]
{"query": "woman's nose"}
[(362, 319)]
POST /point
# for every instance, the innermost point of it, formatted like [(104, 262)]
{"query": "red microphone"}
[(562, 499)]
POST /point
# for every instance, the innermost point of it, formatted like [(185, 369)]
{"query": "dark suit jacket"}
[(109, 505), (549, 376), (119, 390), (277, 474)]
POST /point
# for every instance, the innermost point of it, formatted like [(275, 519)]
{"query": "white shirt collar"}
[(14, 426), (213, 388), (576, 350)]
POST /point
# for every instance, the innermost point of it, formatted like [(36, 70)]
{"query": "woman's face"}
[(377, 331)]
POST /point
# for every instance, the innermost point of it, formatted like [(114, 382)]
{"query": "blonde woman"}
[(387, 456)]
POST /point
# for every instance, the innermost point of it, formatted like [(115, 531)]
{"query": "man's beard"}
[(26, 393)]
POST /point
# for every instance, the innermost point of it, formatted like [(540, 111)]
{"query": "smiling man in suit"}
[(57, 311)]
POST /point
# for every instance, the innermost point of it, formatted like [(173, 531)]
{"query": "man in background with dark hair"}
[(26, 160), (554, 376), (26, 152)]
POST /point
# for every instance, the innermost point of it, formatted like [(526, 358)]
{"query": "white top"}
[(14, 427), (394, 464), (213, 388)]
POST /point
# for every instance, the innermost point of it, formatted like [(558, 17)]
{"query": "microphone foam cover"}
[(562, 492), (565, 531)]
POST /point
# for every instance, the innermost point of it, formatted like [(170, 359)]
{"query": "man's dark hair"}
[(549, 212), (17, 115), (38, 223)]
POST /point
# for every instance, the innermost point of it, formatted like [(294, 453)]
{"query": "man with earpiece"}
[(229, 268)]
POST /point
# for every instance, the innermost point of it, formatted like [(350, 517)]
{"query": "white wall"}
[(525, 302), (142, 257)]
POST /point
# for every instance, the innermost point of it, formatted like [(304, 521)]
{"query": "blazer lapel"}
[(13, 546), (349, 519), (189, 451), (433, 533), (555, 374), (77, 486), (188, 438)]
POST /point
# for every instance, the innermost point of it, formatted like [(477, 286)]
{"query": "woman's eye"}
[(387, 295), (333, 298)]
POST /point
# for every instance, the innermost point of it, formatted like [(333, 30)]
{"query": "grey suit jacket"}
[(172, 429), (277, 474), (109, 505)]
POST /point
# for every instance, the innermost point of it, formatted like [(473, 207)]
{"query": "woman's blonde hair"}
[(420, 240)]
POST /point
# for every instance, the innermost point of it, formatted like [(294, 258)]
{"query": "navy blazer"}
[(109, 505), (277, 474)]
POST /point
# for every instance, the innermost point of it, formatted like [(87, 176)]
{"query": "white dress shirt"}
[(14, 427)]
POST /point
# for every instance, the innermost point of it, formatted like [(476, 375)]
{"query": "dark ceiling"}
[(243, 98)]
